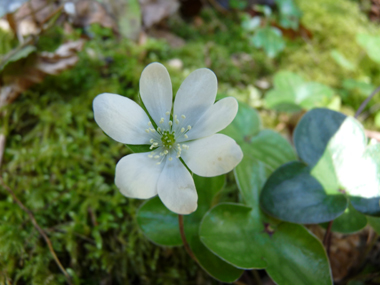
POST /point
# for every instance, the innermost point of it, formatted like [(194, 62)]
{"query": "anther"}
[(147, 130), (183, 117), (166, 152), (189, 127), (156, 156), (182, 130), (150, 156), (162, 120), (186, 136), (167, 113), (151, 141), (170, 158), (149, 123), (177, 121), (170, 123)]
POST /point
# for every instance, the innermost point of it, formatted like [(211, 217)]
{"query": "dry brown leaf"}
[(89, 12), (154, 11), (31, 14), (46, 63)]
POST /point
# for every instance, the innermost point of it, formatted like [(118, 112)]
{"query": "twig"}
[(372, 135), (76, 234), (183, 237), (51, 15), (93, 217), (327, 238), (256, 277), (2, 147), (39, 229), (33, 14), (12, 23), (364, 104)]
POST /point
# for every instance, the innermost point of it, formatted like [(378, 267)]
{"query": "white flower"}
[(186, 130)]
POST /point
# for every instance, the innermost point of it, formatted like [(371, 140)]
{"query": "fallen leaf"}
[(32, 14), (45, 63), (154, 11), (89, 12)]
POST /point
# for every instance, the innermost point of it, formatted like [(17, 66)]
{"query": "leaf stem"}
[(183, 237), (364, 104), (327, 238), (39, 229)]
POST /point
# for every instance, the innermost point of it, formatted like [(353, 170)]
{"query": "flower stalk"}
[(184, 240)]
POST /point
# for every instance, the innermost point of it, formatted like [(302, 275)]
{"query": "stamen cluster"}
[(164, 141)]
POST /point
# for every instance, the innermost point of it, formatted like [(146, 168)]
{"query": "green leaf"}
[(139, 148), (238, 4), (314, 132), (270, 40), (292, 94), (313, 94), (129, 19), (342, 60), (289, 14), (377, 119), (161, 226), (349, 222), (158, 223), (250, 24), (23, 53), (245, 125), (271, 148), (363, 88), (247, 238), (375, 223), (265, 145), (370, 44), (337, 167), (293, 195)]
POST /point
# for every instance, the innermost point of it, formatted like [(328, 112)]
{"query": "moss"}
[(334, 25), (61, 165)]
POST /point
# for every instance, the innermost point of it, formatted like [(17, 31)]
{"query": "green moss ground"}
[(61, 165)]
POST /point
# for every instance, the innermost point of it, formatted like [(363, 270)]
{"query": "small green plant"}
[(291, 93), (262, 30)]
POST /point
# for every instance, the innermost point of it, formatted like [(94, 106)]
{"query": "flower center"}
[(168, 139), (164, 138)]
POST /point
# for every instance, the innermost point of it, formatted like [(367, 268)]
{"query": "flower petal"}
[(156, 91), (219, 116), (121, 118), (137, 175), (212, 156), (196, 95), (176, 188)]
